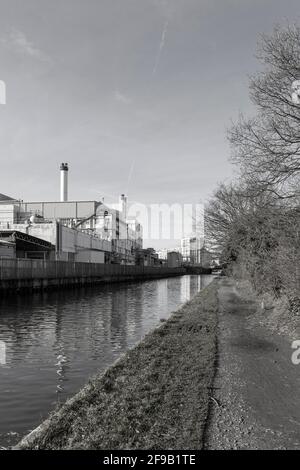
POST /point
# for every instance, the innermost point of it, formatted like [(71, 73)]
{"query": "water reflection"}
[(55, 341)]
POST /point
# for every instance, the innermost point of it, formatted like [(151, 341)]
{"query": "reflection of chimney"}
[(123, 204), (64, 182)]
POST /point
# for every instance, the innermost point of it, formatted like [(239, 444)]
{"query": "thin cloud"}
[(18, 41), (122, 98), (130, 174), (161, 46)]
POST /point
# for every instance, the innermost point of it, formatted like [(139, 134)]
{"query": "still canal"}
[(51, 343)]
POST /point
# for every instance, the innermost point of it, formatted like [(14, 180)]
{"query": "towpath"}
[(255, 402)]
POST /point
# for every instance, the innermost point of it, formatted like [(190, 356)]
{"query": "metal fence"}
[(18, 269)]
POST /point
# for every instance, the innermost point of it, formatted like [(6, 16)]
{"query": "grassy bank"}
[(154, 397)]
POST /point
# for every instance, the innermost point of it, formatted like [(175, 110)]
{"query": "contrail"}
[(161, 46), (130, 174)]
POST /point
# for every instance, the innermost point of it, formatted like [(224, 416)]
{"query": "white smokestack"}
[(64, 182), (123, 205)]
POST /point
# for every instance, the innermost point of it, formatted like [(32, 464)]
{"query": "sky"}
[(136, 95)]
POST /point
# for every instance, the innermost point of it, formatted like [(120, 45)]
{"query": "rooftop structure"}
[(4, 198), (27, 246)]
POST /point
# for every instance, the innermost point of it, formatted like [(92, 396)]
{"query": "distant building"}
[(174, 259), (185, 249), (163, 253), (206, 258), (196, 245), (147, 257), (191, 249)]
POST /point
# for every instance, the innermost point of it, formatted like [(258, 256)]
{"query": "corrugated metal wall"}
[(17, 269)]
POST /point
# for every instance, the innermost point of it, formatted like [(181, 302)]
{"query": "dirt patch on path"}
[(154, 397)]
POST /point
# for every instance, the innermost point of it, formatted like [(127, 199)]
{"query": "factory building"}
[(80, 231)]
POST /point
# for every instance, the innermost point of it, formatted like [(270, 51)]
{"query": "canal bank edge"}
[(22, 275), (156, 396)]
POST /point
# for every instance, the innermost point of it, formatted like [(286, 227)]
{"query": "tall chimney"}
[(64, 182), (123, 205)]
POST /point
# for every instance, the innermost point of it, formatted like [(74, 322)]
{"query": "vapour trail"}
[(130, 174), (161, 46)]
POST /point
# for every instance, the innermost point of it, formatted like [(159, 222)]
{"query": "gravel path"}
[(256, 401)]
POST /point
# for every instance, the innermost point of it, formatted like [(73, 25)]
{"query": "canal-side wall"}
[(197, 270), (20, 274)]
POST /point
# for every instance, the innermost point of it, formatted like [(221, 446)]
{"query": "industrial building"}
[(80, 231), (148, 257), (174, 259)]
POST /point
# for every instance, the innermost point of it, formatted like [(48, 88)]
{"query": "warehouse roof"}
[(3, 197), (24, 240), (4, 242)]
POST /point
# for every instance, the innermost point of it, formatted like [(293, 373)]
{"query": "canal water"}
[(51, 343)]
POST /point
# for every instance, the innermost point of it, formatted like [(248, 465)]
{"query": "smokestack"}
[(123, 205), (64, 182)]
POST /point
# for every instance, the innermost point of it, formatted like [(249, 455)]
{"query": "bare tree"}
[(258, 237), (267, 146), (256, 223)]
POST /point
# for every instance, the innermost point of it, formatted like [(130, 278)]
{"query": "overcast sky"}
[(135, 95)]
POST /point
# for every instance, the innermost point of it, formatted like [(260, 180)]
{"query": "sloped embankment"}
[(154, 397)]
